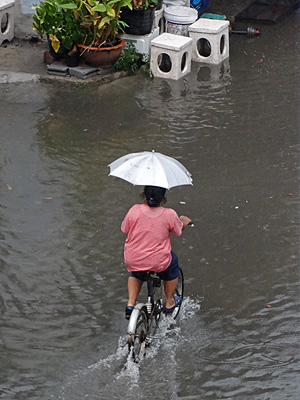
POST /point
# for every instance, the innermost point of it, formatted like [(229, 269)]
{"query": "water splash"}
[(116, 374)]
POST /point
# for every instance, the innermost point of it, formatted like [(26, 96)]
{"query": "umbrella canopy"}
[(151, 169)]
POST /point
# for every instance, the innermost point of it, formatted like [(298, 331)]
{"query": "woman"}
[(148, 246)]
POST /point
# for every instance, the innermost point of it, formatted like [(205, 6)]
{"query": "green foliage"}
[(54, 19), (100, 20), (130, 60), (146, 69), (89, 22)]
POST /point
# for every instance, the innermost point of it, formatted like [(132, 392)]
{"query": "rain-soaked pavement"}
[(62, 277)]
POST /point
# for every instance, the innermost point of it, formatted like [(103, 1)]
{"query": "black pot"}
[(139, 21), (72, 60), (159, 5)]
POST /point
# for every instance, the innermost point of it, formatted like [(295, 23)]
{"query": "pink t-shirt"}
[(148, 244)]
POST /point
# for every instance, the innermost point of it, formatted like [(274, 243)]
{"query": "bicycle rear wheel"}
[(138, 341)]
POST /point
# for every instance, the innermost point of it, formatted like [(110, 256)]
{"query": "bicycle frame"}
[(144, 318), (153, 306)]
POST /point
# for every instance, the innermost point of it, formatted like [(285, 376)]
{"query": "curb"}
[(23, 77), (17, 77)]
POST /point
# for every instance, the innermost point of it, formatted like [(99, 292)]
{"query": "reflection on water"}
[(63, 280)]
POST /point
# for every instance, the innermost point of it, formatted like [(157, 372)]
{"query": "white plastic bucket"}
[(178, 19)]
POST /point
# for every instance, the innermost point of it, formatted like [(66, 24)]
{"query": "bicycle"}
[(144, 318)]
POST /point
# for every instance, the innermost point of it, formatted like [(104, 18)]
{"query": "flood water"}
[(62, 278)]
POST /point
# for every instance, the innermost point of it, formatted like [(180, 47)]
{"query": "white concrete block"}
[(142, 43), (7, 20), (171, 56), (210, 40)]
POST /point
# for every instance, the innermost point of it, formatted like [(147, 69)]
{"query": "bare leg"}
[(170, 287), (134, 287)]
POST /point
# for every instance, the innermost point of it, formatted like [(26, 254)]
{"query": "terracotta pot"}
[(101, 57)]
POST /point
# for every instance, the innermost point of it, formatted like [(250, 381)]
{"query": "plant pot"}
[(139, 21), (101, 57), (159, 5), (72, 60)]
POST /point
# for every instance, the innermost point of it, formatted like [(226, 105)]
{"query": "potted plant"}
[(91, 25), (55, 19), (139, 16), (100, 24)]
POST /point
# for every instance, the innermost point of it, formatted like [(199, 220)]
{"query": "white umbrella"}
[(151, 169)]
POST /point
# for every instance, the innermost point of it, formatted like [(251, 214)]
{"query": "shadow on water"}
[(62, 277)]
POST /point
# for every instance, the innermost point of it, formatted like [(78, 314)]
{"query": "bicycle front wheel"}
[(138, 341), (179, 291), (180, 284)]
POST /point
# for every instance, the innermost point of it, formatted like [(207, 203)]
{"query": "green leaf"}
[(127, 3), (55, 43), (100, 8), (111, 12), (103, 21), (69, 6), (123, 24), (113, 2), (89, 8)]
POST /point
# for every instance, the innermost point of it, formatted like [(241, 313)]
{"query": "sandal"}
[(128, 311), (178, 301)]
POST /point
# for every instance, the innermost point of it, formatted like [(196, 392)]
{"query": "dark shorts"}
[(168, 274)]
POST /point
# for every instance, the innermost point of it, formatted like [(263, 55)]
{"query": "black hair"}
[(154, 195)]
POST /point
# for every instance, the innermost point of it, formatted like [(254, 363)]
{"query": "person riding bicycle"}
[(148, 246)]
